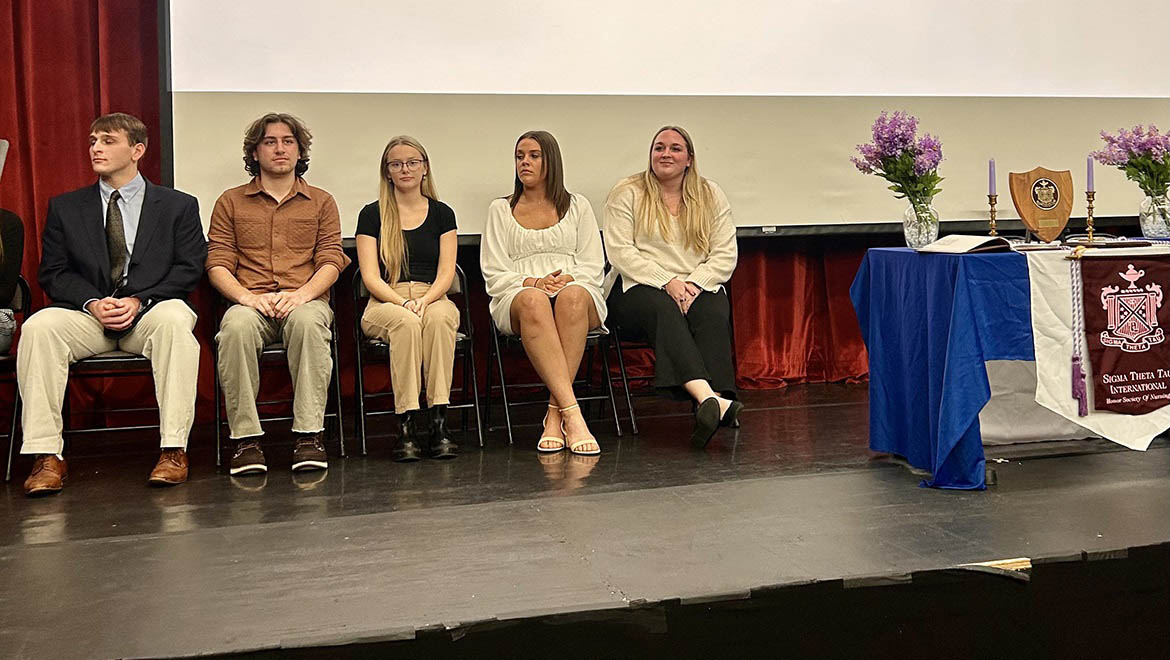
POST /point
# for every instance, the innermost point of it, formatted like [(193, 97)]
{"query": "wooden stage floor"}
[(372, 551)]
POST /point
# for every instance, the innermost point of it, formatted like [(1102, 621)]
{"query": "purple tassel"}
[(1078, 387)]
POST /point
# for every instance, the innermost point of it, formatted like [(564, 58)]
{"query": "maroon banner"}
[(1125, 321)]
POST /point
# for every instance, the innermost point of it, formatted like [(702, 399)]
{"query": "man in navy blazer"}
[(118, 260)]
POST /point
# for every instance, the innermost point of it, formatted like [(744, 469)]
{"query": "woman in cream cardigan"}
[(671, 240), (542, 259)]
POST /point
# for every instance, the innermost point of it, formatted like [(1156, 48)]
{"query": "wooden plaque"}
[(1044, 200)]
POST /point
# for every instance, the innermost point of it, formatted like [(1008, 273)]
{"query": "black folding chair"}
[(595, 340), (21, 305), (620, 346), (374, 349)]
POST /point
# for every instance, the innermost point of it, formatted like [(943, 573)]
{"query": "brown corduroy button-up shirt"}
[(275, 246)]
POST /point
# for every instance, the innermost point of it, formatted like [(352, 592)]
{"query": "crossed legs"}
[(553, 332), (692, 351)]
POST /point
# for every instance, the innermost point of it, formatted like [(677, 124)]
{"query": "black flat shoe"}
[(731, 417), (440, 444), (407, 449), (706, 422), (442, 448)]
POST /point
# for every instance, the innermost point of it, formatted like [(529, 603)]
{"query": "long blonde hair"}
[(696, 213), (391, 241)]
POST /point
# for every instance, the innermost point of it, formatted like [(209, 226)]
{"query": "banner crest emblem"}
[(1132, 314)]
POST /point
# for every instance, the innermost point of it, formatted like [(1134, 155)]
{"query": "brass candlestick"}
[(1089, 195), (991, 201)]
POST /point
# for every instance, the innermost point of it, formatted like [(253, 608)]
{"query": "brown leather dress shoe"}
[(171, 468), (47, 476)]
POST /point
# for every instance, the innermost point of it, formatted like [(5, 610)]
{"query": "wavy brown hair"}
[(554, 171), (255, 134)]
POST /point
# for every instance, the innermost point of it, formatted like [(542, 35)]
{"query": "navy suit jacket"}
[(168, 257)]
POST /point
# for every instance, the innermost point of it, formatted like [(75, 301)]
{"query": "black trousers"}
[(695, 346)]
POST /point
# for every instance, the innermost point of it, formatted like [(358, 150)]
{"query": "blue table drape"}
[(929, 322)]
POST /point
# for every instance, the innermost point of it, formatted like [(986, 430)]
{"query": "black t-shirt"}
[(422, 242)]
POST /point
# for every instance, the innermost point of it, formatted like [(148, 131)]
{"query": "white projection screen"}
[(776, 94)]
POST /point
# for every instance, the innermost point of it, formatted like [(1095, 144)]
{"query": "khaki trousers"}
[(418, 347), (306, 334), (54, 338)]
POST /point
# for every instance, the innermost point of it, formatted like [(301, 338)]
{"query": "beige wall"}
[(781, 160)]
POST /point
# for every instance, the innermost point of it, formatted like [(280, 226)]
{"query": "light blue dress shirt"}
[(130, 204)]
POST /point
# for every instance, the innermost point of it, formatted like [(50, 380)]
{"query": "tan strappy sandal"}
[(589, 440), (549, 444)]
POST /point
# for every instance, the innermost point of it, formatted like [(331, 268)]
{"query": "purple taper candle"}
[(991, 177), (1089, 176)]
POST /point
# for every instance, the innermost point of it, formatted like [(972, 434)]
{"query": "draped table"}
[(930, 322)]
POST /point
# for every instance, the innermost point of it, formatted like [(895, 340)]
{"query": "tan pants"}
[(418, 347), (243, 334), (54, 338)]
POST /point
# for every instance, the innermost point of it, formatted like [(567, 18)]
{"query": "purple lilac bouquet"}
[(909, 162), (1144, 156)]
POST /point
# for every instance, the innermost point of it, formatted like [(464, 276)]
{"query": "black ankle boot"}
[(440, 444), (406, 450)]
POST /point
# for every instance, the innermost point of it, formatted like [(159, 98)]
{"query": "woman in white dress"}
[(542, 260)]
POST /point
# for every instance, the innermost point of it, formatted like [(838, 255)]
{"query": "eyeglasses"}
[(411, 165)]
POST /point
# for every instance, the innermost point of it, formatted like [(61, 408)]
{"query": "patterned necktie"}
[(115, 239)]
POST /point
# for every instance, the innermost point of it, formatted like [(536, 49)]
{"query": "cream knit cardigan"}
[(653, 260)]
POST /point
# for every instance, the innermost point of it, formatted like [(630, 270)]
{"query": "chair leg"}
[(66, 412), (359, 396), (12, 435), (617, 344), (588, 380), (487, 404), (218, 415), (336, 380), (475, 392), (463, 394), (734, 355), (609, 386), (503, 383)]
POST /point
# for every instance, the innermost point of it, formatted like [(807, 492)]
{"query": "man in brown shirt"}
[(274, 250)]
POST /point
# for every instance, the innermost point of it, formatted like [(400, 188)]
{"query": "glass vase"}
[(920, 225), (1154, 214)]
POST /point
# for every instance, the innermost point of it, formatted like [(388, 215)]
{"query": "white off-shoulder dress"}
[(509, 253)]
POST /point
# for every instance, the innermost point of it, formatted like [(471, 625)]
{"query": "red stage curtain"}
[(794, 322), (63, 63)]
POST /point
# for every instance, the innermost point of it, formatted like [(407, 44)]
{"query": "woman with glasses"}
[(406, 245), (671, 240), (541, 259)]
